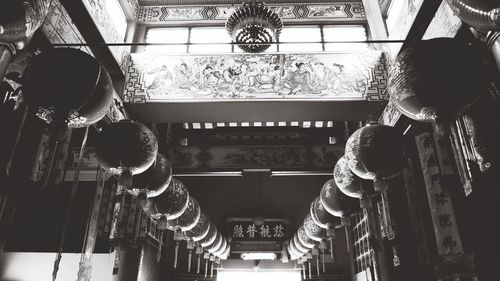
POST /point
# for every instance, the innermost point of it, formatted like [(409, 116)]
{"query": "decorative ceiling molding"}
[(359, 76), (228, 2), (339, 11)]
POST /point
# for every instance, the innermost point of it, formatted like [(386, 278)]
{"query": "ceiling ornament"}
[(253, 27)]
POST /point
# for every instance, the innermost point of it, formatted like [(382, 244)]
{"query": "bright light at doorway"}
[(261, 275)]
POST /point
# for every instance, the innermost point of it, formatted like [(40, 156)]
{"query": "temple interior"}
[(200, 140)]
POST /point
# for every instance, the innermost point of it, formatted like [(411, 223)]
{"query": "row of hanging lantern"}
[(424, 87), (327, 212), (66, 97), (130, 150), (374, 152)]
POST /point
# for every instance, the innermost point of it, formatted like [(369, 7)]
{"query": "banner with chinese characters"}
[(249, 231), (441, 206)]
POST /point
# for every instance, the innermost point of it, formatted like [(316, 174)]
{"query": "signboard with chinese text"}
[(248, 231)]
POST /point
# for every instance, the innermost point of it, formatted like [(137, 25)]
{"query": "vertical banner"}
[(443, 216), (85, 268)]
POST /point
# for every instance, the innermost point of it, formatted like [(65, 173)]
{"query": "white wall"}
[(17, 266)]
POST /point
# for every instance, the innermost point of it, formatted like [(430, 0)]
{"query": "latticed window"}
[(364, 256), (293, 39)]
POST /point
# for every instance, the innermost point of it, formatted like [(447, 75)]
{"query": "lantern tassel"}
[(211, 270), (387, 216), (199, 262), (323, 259), (190, 256), (160, 246), (303, 267), (176, 253), (317, 265), (309, 268), (206, 268), (331, 247)]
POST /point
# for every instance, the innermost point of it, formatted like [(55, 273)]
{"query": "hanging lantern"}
[(312, 230), (200, 230), (481, 14), (304, 239), (188, 219), (254, 27), (218, 252), (436, 80), (170, 204), (18, 22), (210, 237), (293, 251), (375, 152), (216, 244), (335, 202), (66, 95), (126, 148), (292, 255), (321, 216), (227, 251), (347, 182), (298, 245), (155, 180)]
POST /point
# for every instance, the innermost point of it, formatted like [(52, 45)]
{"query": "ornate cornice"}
[(337, 11), (227, 2)]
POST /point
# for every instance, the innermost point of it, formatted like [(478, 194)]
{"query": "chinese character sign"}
[(442, 210), (248, 231)]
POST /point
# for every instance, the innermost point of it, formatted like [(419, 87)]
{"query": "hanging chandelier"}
[(253, 27)]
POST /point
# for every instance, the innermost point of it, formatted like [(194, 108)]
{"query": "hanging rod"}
[(217, 43)]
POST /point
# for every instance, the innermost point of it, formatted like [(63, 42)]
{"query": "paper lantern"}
[(155, 180), (200, 230), (216, 244), (335, 202), (436, 80), (298, 245), (68, 87), (321, 216), (170, 204), (222, 248), (313, 230), (375, 152), (304, 239), (126, 148), (226, 253), (347, 182), (293, 251), (189, 217), (293, 255), (210, 237)]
